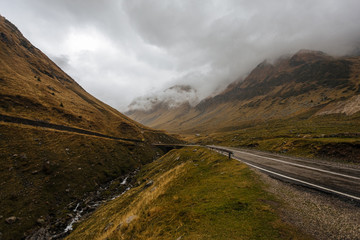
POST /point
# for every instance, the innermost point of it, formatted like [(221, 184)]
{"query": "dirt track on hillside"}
[(24, 121)]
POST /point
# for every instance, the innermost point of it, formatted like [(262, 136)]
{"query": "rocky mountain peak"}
[(306, 56)]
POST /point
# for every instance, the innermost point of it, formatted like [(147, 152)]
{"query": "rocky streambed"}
[(58, 228)]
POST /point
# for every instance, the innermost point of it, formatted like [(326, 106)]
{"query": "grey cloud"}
[(154, 44), (61, 60), (231, 39), (171, 97)]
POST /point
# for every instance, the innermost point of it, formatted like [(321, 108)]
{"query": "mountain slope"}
[(46, 171), (32, 86), (307, 81)]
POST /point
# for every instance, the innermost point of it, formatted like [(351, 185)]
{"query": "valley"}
[(73, 167)]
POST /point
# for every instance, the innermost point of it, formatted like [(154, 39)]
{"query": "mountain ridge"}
[(46, 85), (285, 88)]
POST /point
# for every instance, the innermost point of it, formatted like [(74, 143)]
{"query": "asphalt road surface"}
[(329, 177)]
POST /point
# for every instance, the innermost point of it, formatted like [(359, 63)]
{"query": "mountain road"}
[(328, 177)]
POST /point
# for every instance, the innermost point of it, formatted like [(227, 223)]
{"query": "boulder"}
[(11, 220)]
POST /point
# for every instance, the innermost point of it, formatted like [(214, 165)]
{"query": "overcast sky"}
[(122, 49)]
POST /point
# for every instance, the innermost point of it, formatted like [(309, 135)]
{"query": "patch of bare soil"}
[(319, 215), (347, 107)]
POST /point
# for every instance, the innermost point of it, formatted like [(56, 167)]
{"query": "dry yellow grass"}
[(195, 194), (144, 201)]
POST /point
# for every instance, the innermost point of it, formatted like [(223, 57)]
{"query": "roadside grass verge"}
[(191, 193), (332, 137)]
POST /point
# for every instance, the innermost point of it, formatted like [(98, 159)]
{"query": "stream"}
[(80, 209)]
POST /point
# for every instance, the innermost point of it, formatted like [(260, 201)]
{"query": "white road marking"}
[(301, 181), (299, 165)]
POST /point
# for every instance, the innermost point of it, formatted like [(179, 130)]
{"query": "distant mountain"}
[(308, 81), (59, 145), (177, 98)]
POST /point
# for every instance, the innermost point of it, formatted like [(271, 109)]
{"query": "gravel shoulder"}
[(317, 214)]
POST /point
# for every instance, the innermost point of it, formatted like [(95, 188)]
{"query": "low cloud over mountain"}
[(170, 98), (120, 50)]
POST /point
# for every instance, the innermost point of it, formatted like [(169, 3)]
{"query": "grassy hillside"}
[(190, 194), (42, 171), (34, 87)]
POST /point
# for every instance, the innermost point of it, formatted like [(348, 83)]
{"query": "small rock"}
[(109, 225), (40, 221), (149, 183), (67, 190), (35, 172), (71, 206), (42, 233), (195, 150), (130, 219), (11, 220), (119, 226)]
